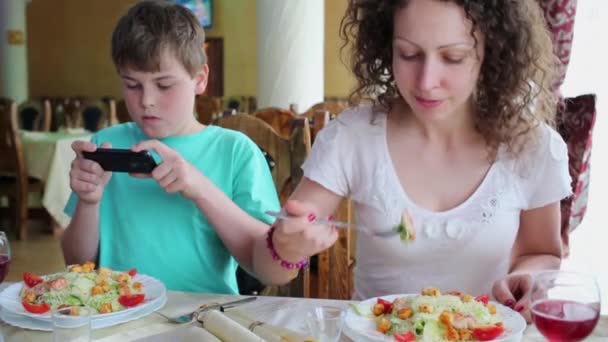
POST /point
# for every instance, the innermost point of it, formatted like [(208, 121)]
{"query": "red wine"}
[(5, 263), (564, 321)]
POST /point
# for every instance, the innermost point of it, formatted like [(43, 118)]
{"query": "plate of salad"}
[(432, 316), (111, 293)]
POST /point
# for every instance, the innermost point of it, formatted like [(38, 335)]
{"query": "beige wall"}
[(69, 47)]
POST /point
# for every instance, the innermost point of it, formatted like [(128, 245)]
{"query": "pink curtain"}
[(575, 118)]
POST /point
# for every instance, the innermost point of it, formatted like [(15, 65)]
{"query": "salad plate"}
[(362, 325), (11, 299), (29, 323)]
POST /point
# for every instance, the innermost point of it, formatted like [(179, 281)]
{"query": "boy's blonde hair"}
[(151, 28)]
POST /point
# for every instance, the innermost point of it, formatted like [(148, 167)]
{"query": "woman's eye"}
[(408, 57), (454, 59), (132, 86)]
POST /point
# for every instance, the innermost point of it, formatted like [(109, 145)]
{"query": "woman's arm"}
[(537, 247), (538, 244)]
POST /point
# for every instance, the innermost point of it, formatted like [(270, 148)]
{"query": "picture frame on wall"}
[(203, 9)]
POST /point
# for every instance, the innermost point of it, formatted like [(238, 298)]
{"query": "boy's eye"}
[(132, 86), (164, 86)]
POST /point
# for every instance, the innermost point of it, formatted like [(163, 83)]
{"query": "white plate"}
[(25, 322), (363, 329), (153, 289)]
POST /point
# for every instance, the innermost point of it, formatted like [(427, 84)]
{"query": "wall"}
[(69, 47)]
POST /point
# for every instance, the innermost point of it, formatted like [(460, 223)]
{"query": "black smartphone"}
[(122, 160)]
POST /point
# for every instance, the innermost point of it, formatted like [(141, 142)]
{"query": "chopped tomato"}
[(31, 280), (131, 300), (484, 298), (489, 332), (405, 337), (132, 272), (454, 293), (388, 306), (36, 308)]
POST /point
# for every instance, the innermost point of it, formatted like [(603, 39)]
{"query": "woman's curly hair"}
[(514, 90)]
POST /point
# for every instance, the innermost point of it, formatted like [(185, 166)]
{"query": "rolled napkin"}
[(225, 328), (268, 332)]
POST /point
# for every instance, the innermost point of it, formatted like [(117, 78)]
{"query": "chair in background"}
[(206, 107), (122, 113), (35, 115), (279, 119), (575, 121), (284, 157), (95, 114), (334, 107), (15, 184)]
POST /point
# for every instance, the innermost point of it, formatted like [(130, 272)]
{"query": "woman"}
[(452, 139)]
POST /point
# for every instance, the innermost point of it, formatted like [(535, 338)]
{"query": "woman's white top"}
[(466, 248)]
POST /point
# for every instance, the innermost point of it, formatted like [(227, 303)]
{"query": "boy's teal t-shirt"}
[(165, 235)]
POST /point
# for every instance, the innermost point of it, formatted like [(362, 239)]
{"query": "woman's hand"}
[(174, 173), (299, 237), (514, 291), (87, 178)]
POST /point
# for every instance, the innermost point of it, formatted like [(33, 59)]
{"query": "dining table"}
[(284, 312), (48, 156)]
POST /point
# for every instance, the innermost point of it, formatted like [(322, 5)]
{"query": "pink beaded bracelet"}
[(275, 256)]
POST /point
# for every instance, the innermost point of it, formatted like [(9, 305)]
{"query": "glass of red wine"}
[(5, 256), (565, 305)]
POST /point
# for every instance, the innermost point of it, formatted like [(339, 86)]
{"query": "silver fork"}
[(191, 317), (338, 224)]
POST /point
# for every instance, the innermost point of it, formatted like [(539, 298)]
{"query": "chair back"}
[(12, 163), (95, 114), (122, 113), (35, 115), (575, 121), (284, 157), (279, 119), (206, 107)]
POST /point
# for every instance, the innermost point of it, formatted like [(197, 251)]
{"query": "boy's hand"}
[(174, 173), (87, 178)]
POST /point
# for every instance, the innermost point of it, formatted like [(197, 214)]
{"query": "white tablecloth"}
[(48, 157), (279, 311)]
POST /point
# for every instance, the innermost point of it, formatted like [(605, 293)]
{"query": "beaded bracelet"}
[(275, 256)]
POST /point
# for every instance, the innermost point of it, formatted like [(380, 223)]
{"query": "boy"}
[(203, 206)]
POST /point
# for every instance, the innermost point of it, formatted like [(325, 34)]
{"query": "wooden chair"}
[(122, 113), (334, 107), (284, 157), (280, 119), (206, 107), (332, 271), (14, 181), (35, 115), (94, 114)]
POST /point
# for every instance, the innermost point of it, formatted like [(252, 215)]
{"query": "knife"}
[(189, 317)]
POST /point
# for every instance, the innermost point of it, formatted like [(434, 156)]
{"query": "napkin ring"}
[(254, 325), (204, 308)]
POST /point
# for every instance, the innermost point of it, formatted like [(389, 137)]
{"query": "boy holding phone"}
[(203, 205)]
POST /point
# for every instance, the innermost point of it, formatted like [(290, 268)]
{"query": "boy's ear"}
[(201, 79)]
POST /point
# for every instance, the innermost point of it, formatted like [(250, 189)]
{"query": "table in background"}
[(48, 157)]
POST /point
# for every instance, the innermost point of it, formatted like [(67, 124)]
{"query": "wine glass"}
[(565, 305), (5, 256)]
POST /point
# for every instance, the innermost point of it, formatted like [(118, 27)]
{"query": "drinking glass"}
[(326, 322), (565, 305), (5, 256), (72, 324)]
